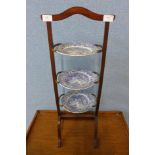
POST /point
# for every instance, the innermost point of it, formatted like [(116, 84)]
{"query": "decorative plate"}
[(77, 79), (82, 49), (78, 102)]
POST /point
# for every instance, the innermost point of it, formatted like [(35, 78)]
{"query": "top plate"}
[(82, 49)]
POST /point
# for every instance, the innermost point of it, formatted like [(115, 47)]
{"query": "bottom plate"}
[(78, 102)]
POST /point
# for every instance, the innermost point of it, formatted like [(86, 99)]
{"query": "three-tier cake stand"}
[(77, 103)]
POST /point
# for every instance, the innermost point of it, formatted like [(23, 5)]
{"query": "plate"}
[(77, 79), (78, 102), (82, 49)]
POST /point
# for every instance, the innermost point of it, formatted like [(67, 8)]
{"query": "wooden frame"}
[(61, 16)]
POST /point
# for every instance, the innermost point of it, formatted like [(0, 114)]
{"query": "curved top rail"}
[(77, 10)]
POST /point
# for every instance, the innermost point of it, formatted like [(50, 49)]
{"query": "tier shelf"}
[(73, 49), (78, 102), (77, 79)]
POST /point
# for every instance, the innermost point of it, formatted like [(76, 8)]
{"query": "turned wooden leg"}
[(59, 132), (96, 132)]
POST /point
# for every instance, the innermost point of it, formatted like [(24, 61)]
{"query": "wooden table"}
[(77, 135)]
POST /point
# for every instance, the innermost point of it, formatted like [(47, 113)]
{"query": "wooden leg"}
[(95, 132), (59, 132)]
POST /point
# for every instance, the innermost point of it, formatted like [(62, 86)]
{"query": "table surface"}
[(77, 135)]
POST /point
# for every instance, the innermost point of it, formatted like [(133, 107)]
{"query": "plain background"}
[(13, 77), (40, 93)]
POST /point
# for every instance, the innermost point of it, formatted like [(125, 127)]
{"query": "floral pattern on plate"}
[(81, 49), (77, 79), (78, 102)]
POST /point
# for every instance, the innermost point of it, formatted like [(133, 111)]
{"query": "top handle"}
[(78, 10)]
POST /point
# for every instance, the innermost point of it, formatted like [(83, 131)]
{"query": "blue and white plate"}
[(77, 79), (78, 49), (78, 102)]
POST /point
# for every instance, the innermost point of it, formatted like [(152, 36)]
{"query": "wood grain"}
[(77, 135)]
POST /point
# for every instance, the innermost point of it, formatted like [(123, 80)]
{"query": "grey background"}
[(77, 28)]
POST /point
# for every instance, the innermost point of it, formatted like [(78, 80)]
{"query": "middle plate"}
[(77, 79)]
